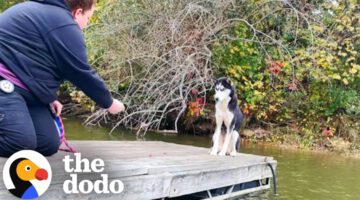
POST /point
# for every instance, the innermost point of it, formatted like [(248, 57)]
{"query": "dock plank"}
[(152, 170)]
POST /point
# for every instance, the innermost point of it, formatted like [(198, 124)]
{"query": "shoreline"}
[(355, 154)]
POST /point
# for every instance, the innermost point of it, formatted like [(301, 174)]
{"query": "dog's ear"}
[(228, 81)]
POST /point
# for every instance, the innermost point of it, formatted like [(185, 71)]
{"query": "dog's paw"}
[(214, 153), (233, 153), (222, 153)]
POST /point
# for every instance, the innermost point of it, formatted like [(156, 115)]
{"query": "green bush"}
[(6, 4), (307, 73)]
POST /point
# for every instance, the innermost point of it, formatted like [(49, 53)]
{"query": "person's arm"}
[(68, 49)]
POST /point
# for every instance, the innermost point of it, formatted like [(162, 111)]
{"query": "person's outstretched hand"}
[(116, 107)]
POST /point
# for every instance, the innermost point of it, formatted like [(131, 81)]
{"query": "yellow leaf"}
[(356, 66), (353, 70), (258, 84), (318, 28), (272, 108), (232, 71), (256, 93), (343, 54), (336, 76)]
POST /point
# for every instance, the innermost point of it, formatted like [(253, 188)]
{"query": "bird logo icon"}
[(27, 174)]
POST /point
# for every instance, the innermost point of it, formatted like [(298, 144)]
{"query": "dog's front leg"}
[(234, 140), (216, 138), (226, 142)]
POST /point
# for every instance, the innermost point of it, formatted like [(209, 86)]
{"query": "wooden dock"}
[(159, 170)]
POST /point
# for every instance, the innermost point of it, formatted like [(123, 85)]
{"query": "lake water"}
[(301, 175)]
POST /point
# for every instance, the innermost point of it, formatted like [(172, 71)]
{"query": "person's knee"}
[(50, 152), (32, 144), (49, 149)]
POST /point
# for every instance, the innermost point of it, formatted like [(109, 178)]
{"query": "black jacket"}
[(42, 44)]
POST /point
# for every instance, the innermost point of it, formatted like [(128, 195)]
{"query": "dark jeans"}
[(25, 123)]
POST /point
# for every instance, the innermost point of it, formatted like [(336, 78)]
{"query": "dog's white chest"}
[(222, 111)]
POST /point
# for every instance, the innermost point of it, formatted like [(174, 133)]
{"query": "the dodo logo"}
[(27, 174)]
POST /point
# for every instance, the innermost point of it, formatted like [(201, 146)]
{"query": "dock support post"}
[(209, 194)]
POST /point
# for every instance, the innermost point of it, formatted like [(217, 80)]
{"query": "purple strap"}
[(10, 76)]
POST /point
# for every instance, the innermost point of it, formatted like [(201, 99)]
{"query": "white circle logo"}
[(27, 174)]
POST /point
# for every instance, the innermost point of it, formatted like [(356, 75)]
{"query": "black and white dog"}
[(228, 113)]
